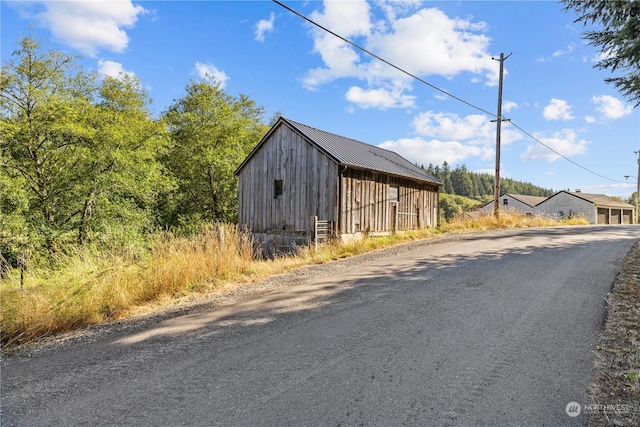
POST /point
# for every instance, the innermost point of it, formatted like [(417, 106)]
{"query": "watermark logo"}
[(573, 409)]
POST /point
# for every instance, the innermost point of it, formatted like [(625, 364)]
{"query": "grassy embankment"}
[(615, 389), (95, 286)]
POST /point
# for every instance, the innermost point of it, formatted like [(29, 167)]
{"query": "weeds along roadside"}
[(91, 286)]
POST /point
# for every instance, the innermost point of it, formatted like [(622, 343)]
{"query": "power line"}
[(384, 60), (561, 155), (438, 89)]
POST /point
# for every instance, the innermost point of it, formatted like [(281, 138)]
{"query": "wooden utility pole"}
[(638, 187), (499, 120)]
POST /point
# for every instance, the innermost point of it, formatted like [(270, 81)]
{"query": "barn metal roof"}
[(349, 152)]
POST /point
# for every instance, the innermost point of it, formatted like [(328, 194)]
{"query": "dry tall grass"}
[(507, 220), (96, 286)]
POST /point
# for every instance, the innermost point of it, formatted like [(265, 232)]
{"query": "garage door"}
[(603, 216), (615, 216)]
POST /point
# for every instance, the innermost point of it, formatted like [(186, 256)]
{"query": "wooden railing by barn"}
[(402, 221), (321, 231)]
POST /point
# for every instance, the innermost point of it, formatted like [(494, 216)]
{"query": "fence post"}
[(21, 262), (314, 232), (395, 218), (220, 235)]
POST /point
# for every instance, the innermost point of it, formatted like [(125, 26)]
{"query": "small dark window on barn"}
[(505, 202), (277, 188), (393, 194)]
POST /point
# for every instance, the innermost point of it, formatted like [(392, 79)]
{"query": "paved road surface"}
[(496, 328)]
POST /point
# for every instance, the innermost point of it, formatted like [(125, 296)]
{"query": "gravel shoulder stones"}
[(615, 390)]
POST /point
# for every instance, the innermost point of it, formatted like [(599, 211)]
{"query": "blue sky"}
[(262, 50)]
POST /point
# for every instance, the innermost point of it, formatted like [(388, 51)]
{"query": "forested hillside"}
[(461, 182)]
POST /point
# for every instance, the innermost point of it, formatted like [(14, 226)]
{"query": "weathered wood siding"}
[(309, 185), (365, 206)]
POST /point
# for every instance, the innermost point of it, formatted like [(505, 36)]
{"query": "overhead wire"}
[(344, 39), (561, 155)]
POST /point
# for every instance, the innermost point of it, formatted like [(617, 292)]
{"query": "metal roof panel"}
[(350, 152)]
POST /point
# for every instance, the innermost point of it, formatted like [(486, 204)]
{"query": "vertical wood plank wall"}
[(365, 206), (309, 181)]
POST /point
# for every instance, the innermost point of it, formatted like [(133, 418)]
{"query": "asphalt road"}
[(496, 328)]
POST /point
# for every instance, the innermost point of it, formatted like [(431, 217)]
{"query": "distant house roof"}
[(528, 200), (352, 153), (597, 199), (524, 198)]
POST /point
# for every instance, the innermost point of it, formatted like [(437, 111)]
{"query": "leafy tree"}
[(14, 230), (124, 173), (80, 152), (618, 39), (44, 113), (452, 205), (212, 133), (448, 207)]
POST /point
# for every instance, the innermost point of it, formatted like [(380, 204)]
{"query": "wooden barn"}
[(596, 208), (298, 179)]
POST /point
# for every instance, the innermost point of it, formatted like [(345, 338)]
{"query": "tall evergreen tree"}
[(618, 38), (446, 178)]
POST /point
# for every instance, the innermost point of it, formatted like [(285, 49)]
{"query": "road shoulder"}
[(615, 388)]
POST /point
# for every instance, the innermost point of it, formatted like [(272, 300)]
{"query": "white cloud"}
[(446, 136), (381, 98), (263, 26), (570, 48), (490, 172), (398, 7), (508, 106), (475, 129), (611, 107), (113, 69), (621, 190), (423, 42), (87, 26), (341, 61), (590, 119), (348, 19), (558, 109), (211, 71), (420, 151), (565, 142)]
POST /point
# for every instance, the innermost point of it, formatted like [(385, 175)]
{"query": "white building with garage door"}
[(595, 208)]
